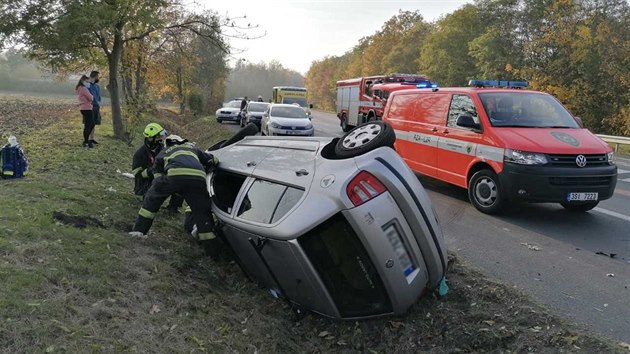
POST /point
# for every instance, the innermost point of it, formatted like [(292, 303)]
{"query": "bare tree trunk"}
[(139, 77), (113, 60), (180, 90)]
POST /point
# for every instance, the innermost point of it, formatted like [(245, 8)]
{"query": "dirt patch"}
[(19, 114), (78, 221)]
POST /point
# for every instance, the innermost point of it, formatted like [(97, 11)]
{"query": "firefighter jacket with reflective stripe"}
[(142, 168), (184, 160)]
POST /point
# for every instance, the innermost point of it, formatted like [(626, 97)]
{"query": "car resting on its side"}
[(346, 236)]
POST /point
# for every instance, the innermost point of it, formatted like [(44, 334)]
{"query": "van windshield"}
[(527, 110)]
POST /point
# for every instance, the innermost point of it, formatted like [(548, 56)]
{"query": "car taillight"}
[(364, 187)]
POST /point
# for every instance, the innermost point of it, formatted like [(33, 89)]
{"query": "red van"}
[(502, 144)]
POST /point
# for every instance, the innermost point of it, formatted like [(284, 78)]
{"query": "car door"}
[(457, 146)]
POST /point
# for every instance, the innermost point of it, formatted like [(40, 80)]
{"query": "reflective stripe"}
[(7, 173), (182, 171), (157, 174), (180, 153), (145, 173), (137, 170), (485, 152), (206, 236), (147, 214), (187, 210)]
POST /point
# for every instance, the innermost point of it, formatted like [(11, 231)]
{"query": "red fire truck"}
[(362, 99)]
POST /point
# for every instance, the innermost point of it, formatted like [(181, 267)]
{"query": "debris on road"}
[(532, 247), (611, 255)]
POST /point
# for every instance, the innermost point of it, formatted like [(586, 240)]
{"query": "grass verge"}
[(73, 281)]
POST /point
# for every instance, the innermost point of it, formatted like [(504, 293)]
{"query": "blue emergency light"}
[(426, 84), (497, 83)]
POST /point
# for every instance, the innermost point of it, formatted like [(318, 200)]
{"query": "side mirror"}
[(468, 122), (310, 106), (580, 122)]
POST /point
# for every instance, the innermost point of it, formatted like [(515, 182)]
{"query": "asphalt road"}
[(542, 249)]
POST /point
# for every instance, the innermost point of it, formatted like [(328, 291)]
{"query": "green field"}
[(72, 280)]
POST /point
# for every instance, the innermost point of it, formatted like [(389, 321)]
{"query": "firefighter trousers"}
[(194, 191)]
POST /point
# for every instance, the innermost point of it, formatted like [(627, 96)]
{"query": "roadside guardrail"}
[(617, 140)]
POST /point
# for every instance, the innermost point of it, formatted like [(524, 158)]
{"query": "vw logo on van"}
[(580, 160)]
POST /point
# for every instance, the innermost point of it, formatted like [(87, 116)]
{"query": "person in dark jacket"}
[(95, 90), (183, 167), (143, 161)]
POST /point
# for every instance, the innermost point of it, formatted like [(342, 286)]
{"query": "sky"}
[(299, 32)]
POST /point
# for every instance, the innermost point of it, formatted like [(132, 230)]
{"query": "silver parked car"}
[(341, 227), (230, 111), (253, 113), (286, 119)]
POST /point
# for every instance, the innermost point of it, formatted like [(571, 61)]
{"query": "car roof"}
[(472, 90)]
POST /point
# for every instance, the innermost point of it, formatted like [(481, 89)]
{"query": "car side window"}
[(225, 188), (267, 202), (461, 105)]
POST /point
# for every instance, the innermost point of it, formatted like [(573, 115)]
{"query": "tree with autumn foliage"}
[(62, 33)]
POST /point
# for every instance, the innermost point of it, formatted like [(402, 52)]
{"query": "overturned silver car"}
[(340, 227)]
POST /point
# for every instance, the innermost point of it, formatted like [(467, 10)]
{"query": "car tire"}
[(219, 121), (364, 138), (250, 129), (485, 192), (579, 207), (344, 124)]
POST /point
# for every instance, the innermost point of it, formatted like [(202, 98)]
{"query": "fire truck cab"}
[(362, 99)]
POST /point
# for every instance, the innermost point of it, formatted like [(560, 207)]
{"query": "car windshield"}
[(527, 110), (288, 112), (257, 107), (291, 100), (233, 104)]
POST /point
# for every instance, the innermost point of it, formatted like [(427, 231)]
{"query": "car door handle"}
[(445, 131), (301, 172), (251, 163), (434, 130)]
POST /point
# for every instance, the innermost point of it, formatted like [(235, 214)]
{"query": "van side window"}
[(461, 105)]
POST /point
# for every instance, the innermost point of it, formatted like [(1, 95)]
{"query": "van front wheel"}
[(484, 192)]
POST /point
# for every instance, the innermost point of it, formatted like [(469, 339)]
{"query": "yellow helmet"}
[(153, 130)]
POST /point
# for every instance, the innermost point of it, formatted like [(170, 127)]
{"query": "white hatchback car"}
[(286, 119), (341, 227)]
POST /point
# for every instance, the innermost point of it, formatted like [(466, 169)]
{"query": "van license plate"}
[(582, 196), (399, 249)]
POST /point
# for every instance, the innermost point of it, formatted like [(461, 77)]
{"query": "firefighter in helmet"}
[(184, 168), (143, 161)]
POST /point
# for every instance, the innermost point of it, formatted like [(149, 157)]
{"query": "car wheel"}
[(485, 193), (250, 129), (365, 138), (579, 207), (219, 121), (344, 124)]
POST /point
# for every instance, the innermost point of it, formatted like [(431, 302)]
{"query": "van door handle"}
[(434, 130)]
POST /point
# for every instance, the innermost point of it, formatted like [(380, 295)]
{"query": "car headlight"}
[(611, 158), (524, 157), (275, 125)]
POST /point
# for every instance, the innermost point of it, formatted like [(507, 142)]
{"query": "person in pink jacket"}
[(85, 105)]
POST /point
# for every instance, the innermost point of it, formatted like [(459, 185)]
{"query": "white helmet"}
[(174, 139)]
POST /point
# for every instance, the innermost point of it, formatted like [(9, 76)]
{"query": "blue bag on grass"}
[(13, 161)]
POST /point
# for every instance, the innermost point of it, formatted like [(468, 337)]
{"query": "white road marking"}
[(613, 214), (625, 180), (622, 171)]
